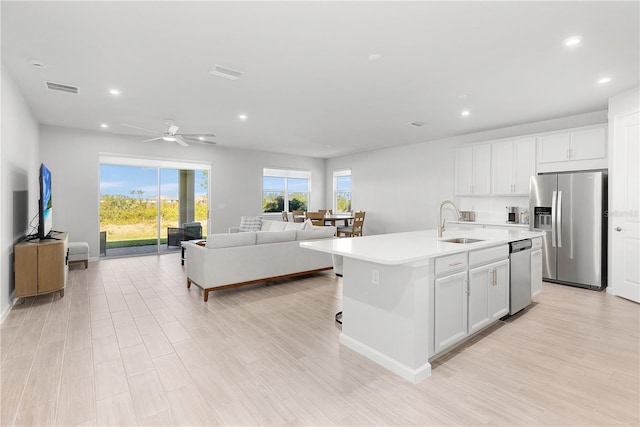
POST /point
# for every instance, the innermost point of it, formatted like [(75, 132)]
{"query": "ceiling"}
[(309, 85)]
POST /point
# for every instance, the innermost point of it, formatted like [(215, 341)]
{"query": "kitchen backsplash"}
[(492, 209)]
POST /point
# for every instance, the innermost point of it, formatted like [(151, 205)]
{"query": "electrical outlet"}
[(375, 277)]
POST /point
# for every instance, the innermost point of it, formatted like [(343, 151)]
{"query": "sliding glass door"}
[(147, 209)]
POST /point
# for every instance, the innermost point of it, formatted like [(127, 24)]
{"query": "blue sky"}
[(120, 180)]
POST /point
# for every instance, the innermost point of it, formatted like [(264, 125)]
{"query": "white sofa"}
[(236, 259)]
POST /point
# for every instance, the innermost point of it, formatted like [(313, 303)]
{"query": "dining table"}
[(331, 219)]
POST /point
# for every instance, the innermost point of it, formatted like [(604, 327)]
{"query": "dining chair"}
[(298, 216), (355, 229), (285, 216), (317, 218)]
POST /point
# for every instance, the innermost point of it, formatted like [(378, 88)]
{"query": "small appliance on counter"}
[(512, 215), (467, 216)]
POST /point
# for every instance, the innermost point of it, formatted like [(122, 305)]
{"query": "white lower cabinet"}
[(536, 272), (488, 294), (450, 322), (467, 301)]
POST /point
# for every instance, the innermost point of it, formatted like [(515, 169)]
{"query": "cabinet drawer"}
[(451, 263), (536, 243), (485, 256)]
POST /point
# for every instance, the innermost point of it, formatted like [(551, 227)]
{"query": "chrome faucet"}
[(441, 221)]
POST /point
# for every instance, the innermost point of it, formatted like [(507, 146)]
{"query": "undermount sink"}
[(461, 240)]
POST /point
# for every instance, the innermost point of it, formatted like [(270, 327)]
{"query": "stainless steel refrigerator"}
[(571, 210)]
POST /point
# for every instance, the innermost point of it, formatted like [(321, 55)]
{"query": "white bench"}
[(79, 252)]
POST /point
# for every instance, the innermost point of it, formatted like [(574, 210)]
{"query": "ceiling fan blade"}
[(180, 141), (197, 135), (199, 141), (139, 128), (173, 129), (152, 139)]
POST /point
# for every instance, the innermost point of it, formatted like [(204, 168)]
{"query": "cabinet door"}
[(51, 263), (481, 178), (524, 164), (502, 168), (499, 290), (554, 148), (464, 168), (536, 272), (588, 144), (480, 280), (26, 269), (450, 310)]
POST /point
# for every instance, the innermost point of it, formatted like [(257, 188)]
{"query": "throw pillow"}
[(273, 225), (250, 223), (294, 226), (307, 225)]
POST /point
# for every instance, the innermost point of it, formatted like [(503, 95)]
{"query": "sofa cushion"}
[(250, 223), (316, 233), (275, 236), (216, 241), (294, 226), (268, 225)]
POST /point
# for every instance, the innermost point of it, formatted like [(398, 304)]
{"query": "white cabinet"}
[(512, 163), (450, 311), (480, 280), (575, 145), (473, 170), (467, 300), (488, 294), (499, 301), (536, 272)]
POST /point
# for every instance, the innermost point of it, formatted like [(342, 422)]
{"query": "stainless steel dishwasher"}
[(520, 275)]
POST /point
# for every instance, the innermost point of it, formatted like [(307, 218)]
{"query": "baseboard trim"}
[(413, 375)]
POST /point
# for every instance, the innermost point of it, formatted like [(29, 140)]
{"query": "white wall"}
[(236, 177), (19, 188), (401, 188)]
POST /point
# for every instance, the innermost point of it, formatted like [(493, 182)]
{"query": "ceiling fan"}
[(171, 135)]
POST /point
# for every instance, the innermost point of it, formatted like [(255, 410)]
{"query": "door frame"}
[(620, 107)]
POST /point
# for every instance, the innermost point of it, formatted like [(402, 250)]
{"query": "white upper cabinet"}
[(473, 170), (577, 149), (512, 163)]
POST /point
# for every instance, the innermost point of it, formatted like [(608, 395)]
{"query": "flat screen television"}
[(45, 205)]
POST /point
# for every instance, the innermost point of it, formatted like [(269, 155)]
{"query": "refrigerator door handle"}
[(559, 220), (553, 220)]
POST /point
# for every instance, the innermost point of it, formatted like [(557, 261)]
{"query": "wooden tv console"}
[(41, 266)]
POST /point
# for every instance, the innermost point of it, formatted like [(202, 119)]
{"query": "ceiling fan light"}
[(169, 138)]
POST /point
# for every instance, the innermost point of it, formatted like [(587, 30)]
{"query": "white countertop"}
[(404, 248)]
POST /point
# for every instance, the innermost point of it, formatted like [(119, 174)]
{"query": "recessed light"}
[(243, 116), (114, 91), (374, 57), (572, 41), (463, 96), (201, 138), (465, 113), (104, 125), (604, 80)]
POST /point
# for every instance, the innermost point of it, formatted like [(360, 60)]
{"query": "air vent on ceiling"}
[(61, 87), (227, 73), (417, 124)]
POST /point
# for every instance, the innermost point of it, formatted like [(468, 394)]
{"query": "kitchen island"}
[(407, 297)]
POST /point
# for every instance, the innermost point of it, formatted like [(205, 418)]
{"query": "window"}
[(342, 191), (281, 187)]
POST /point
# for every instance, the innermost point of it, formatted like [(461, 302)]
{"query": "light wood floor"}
[(129, 344)]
